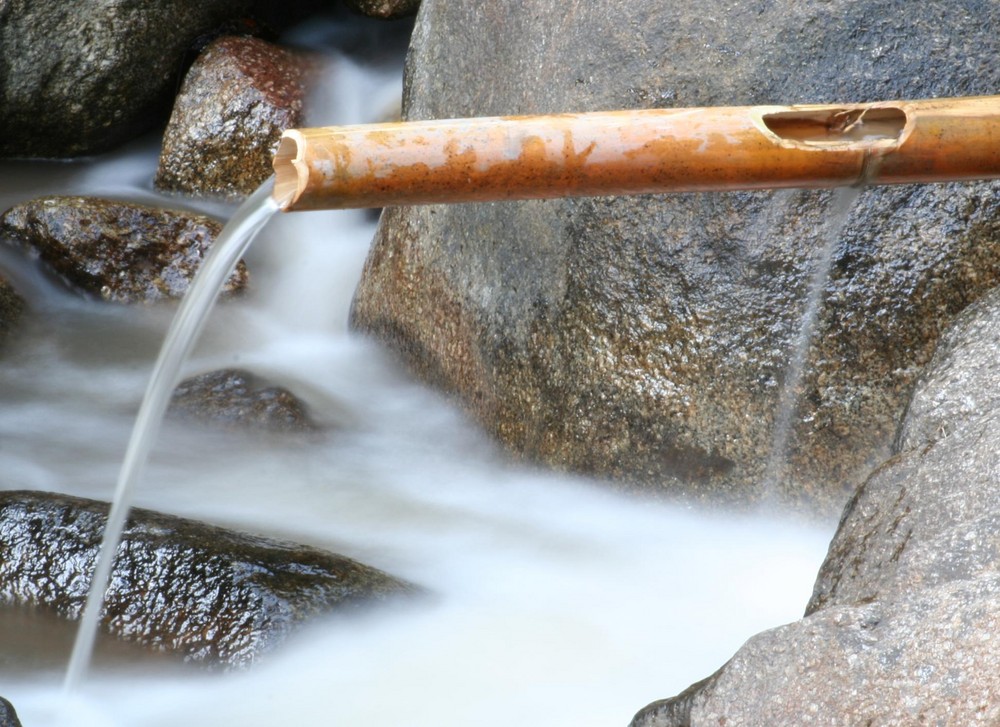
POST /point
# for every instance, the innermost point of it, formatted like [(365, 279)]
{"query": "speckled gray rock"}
[(120, 251), (645, 339), (901, 628), (385, 9), (8, 717), (77, 78), (206, 594), (237, 399), (237, 98)]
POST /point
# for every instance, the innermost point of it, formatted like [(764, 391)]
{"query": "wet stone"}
[(236, 399), (386, 9), (206, 594), (237, 98), (11, 309), (119, 251), (645, 340)]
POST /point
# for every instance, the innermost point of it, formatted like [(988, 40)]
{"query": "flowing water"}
[(842, 202), (555, 601)]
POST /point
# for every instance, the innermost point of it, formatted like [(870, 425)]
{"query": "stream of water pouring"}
[(187, 324), (843, 201)]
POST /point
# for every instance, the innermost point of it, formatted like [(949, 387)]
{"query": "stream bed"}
[(552, 600)]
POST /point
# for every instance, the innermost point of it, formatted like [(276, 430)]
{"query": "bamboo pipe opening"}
[(638, 152)]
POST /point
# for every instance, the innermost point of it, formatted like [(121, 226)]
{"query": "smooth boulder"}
[(199, 592), (80, 78), (645, 340), (902, 622)]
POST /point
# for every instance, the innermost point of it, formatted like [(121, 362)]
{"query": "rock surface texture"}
[(237, 98), (237, 399), (901, 628), (8, 717), (206, 594), (646, 339), (385, 9), (119, 251), (78, 78)]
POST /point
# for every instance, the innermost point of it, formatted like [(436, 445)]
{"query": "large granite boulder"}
[(203, 593), (646, 339), (901, 628), (122, 252), (237, 98), (78, 78)]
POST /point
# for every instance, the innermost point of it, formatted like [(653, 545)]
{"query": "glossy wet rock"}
[(200, 592), (237, 98), (119, 251), (902, 623), (80, 78), (236, 399), (645, 339)]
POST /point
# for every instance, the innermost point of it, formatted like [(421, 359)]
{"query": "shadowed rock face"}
[(901, 627), (178, 586), (119, 251), (8, 717), (645, 339), (78, 78)]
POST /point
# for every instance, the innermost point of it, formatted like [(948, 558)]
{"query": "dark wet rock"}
[(120, 251), (645, 339), (8, 717), (78, 78), (386, 9), (237, 98), (240, 400), (204, 593), (902, 623), (11, 309)]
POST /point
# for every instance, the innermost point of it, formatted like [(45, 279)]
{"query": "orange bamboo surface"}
[(636, 152)]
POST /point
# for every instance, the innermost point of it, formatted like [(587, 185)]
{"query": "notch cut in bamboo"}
[(638, 152)]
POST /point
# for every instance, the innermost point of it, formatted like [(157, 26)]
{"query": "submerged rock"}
[(237, 98), (645, 339), (11, 308), (204, 593), (238, 399), (386, 9), (81, 78), (902, 624), (120, 251)]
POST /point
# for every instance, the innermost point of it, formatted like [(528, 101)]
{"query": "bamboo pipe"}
[(638, 152)]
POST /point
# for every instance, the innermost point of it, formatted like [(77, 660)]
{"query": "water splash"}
[(187, 325), (842, 203)]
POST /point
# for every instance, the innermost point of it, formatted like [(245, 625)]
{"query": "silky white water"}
[(554, 600)]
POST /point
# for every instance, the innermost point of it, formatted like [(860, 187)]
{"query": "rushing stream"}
[(554, 600)]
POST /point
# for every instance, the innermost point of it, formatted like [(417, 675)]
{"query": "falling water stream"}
[(555, 601)]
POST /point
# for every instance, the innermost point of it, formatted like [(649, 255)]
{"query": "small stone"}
[(385, 9), (119, 251), (237, 98), (239, 400)]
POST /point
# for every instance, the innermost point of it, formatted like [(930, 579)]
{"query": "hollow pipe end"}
[(291, 173)]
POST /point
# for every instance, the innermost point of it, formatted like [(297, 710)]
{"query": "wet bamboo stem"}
[(637, 152)]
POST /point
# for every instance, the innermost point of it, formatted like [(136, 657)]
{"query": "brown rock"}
[(385, 9), (237, 98), (238, 399), (119, 251)]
